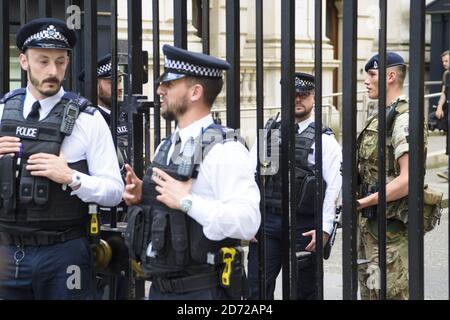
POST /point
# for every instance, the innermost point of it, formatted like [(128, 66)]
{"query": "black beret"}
[(393, 59), (179, 63), (104, 68), (45, 33)]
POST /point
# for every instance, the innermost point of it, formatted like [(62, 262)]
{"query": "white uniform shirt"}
[(331, 165), (225, 196), (91, 141)]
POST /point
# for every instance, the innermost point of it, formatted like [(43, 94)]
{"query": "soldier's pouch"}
[(7, 188), (395, 229), (432, 208)]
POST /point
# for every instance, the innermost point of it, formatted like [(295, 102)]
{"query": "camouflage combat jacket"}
[(396, 145)]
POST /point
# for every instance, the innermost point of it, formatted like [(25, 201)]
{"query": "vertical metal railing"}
[(23, 20), (71, 82), (135, 46), (4, 47), (416, 150), (135, 60), (260, 125), (349, 179), (156, 72), (318, 215), (180, 23), (287, 167), (205, 27), (179, 34), (45, 9), (233, 57), (90, 50), (382, 149), (114, 100), (448, 167)]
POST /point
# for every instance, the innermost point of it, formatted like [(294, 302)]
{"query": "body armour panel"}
[(176, 244), (304, 178), (39, 201)]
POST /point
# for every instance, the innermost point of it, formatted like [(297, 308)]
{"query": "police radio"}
[(71, 111)]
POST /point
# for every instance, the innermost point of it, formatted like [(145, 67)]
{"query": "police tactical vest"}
[(304, 178), (367, 146), (168, 242), (39, 201)]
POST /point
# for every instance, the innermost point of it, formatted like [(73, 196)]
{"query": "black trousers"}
[(305, 276)]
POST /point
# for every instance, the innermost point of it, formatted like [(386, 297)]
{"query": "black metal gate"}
[(139, 109)]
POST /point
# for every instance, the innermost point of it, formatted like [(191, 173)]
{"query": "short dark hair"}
[(211, 87), (445, 53)]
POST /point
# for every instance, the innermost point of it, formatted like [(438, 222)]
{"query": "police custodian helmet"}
[(45, 33), (180, 63)]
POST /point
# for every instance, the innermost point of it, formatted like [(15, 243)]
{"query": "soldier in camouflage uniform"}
[(396, 190)]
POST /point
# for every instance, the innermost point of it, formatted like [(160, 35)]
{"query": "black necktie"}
[(34, 113), (297, 128)]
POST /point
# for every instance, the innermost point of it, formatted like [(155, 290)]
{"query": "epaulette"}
[(228, 134), (11, 94), (325, 130), (90, 109)]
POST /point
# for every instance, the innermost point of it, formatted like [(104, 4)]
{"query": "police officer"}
[(396, 189), (442, 108), (52, 165), (104, 106), (196, 210), (305, 162), (104, 87)]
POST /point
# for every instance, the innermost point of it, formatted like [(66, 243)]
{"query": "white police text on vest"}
[(27, 132)]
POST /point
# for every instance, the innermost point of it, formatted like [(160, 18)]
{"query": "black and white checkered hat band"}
[(193, 69), (49, 34), (304, 83), (104, 69)]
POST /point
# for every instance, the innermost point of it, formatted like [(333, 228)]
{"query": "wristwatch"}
[(186, 204), (76, 180)]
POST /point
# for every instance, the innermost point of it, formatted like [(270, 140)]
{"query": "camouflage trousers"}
[(396, 264)]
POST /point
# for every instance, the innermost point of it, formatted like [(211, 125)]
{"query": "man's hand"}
[(51, 167), (171, 190), (133, 188), (9, 145), (312, 245), (439, 113)]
